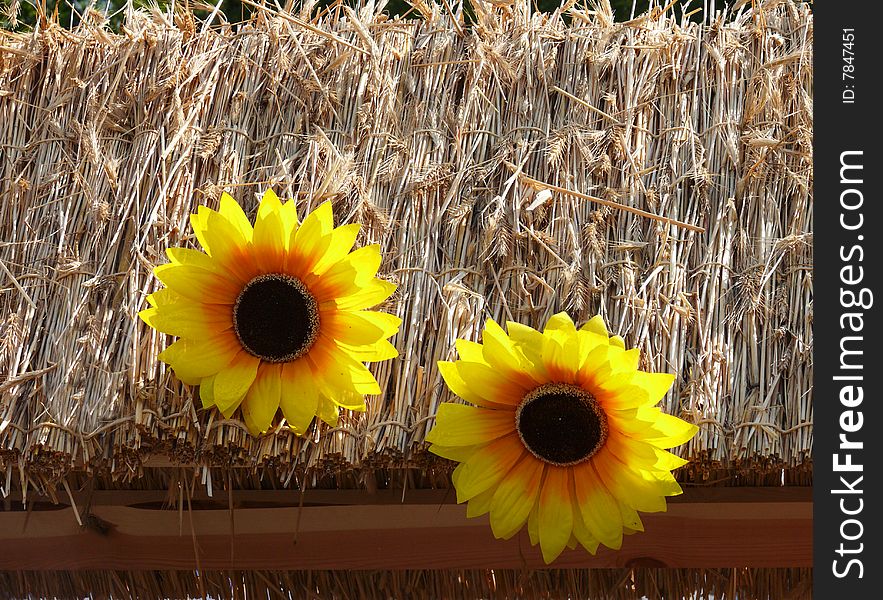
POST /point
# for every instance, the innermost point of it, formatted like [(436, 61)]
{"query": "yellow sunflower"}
[(273, 315), (564, 435)]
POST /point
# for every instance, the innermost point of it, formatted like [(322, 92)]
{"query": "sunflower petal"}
[(197, 284), (368, 295), (192, 320), (461, 425), (636, 490), (309, 242), (656, 385), (339, 370), (515, 497), (561, 355), (188, 256), (269, 241), (299, 396), (470, 351), (229, 246), (456, 384), (234, 214), (234, 380), (193, 359), (560, 322), (486, 468), (669, 431), (596, 325), (206, 391), (328, 411), (262, 399), (342, 240), (359, 327), (455, 453), (598, 508), (376, 352), (556, 512), (288, 212), (581, 531), (480, 504), (353, 271), (490, 384)]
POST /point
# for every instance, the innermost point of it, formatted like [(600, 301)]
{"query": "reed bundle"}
[(656, 172)]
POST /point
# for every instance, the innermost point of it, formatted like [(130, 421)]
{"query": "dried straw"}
[(470, 154)]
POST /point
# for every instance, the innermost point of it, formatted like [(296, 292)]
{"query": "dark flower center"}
[(276, 318), (561, 424)]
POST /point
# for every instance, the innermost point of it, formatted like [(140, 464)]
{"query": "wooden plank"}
[(390, 536), (292, 497)]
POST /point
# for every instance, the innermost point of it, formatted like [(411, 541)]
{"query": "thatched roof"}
[(656, 172)]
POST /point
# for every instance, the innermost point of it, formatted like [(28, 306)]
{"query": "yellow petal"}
[(164, 296), (340, 371), (669, 431), (533, 527), (617, 341), (598, 508), (639, 492), (270, 204), (197, 222), (289, 217), (358, 328), (370, 294), (561, 322), (581, 531), (197, 284), (342, 240), (596, 325), (206, 391), (192, 320), (490, 384), (346, 275), (262, 399), (488, 466), (631, 521), (502, 354), (561, 355), (376, 352), (625, 361), (230, 246), (480, 504), (309, 242), (456, 384), (515, 497), (193, 359), (328, 411), (555, 518), (461, 425), (470, 351), (188, 256), (234, 380), (234, 214), (269, 241), (455, 453), (655, 384)]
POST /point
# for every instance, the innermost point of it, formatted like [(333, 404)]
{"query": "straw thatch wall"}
[(434, 135), (615, 584)]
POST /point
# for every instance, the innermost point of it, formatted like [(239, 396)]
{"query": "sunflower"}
[(273, 315), (564, 435)]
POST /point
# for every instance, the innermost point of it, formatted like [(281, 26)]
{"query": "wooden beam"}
[(694, 532)]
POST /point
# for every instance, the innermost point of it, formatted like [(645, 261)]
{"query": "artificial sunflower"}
[(564, 435), (273, 315)]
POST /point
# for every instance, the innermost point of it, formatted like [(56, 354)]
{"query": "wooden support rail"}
[(353, 529)]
